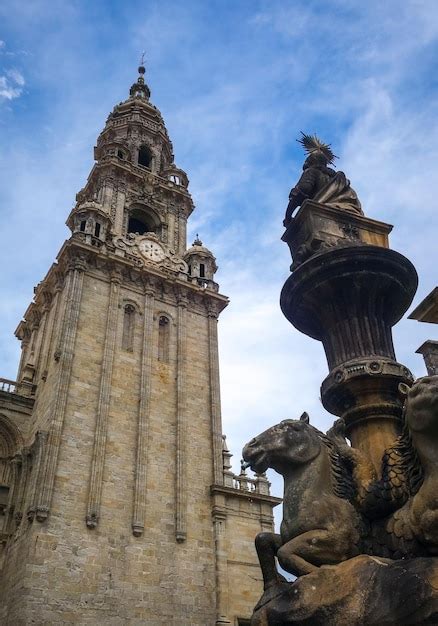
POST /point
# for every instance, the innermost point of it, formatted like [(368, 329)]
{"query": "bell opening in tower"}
[(144, 157), (143, 220)]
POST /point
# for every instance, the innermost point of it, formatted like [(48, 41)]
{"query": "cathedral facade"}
[(117, 498)]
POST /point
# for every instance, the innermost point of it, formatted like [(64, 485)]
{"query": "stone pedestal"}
[(347, 290), (318, 227), (429, 350)]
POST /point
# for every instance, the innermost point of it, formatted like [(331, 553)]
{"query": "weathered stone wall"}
[(245, 583), (106, 571)]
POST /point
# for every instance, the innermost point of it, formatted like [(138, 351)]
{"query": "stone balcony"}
[(17, 388)]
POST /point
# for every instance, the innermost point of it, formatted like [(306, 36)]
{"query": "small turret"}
[(201, 262), (90, 222)]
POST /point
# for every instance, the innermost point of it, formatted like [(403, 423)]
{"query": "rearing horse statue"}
[(320, 524)]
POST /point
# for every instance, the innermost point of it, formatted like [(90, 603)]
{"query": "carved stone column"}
[(56, 305), (103, 405), (25, 340), (140, 486), (219, 526), (21, 489), (182, 232), (181, 423), (215, 398), (64, 353), (42, 345)]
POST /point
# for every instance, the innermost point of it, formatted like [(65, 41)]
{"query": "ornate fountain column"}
[(347, 290)]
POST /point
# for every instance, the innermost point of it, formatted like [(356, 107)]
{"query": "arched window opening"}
[(175, 179), (97, 229), (128, 328), (163, 338), (82, 225), (144, 156), (202, 270), (190, 270), (141, 222), (120, 154)]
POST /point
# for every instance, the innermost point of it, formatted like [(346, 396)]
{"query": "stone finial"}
[(429, 350), (262, 484), (227, 471)]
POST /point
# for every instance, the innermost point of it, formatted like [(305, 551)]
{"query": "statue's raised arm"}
[(321, 183)]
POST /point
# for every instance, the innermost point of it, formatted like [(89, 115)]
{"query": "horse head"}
[(288, 444)]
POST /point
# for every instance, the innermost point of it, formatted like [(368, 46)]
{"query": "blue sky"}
[(236, 81)]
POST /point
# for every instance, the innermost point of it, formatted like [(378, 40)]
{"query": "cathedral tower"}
[(117, 496)]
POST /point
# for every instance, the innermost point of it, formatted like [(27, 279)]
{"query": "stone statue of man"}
[(321, 183)]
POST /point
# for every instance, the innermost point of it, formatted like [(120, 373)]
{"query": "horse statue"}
[(320, 524)]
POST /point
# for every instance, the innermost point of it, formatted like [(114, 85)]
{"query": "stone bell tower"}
[(118, 501)]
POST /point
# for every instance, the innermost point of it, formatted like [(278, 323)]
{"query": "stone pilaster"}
[(24, 351), (182, 232), (181, 424), (138, 517), (103, 405), (65, 354), (215, 398), (56, 304), (39, 363), (38, 455)]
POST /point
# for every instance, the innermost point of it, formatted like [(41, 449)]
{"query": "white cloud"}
[(16, 77), (11, 85)]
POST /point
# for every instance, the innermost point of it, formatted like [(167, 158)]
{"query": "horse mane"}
[(342, 477)]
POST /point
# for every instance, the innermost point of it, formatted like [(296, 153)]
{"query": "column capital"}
[(78, 264)]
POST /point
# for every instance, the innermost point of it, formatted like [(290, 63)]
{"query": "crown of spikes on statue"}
[(313, 145)]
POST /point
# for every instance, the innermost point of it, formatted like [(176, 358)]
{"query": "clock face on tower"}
[(151, 250)]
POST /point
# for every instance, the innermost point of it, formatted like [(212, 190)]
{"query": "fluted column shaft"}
[(181, 424), (140, 486), (215, 398), (65, 353), (103, 406)]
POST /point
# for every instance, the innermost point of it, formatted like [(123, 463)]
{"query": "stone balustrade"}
[(9, 386)]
